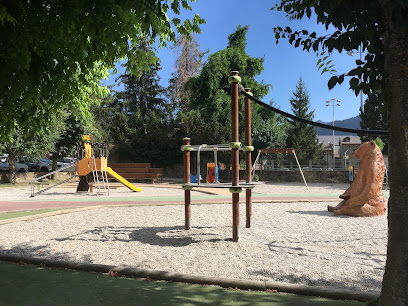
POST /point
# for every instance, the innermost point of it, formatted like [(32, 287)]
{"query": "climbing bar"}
[(277, 150), (187, 186), (208, 148), (322, 125)]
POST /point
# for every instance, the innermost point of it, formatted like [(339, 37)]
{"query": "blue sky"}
[(284, 64)]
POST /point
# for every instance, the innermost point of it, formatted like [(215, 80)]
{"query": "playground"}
[(182, 231), (294, 239)]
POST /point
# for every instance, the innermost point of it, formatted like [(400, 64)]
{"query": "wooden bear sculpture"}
[(364, 197)]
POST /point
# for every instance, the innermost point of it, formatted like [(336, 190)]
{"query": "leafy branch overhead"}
[(380, 29), (352, 30), (324, 63), (53, 56)]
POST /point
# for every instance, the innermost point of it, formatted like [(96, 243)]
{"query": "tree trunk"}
[(395, 44), (54, 164), (12, 165)]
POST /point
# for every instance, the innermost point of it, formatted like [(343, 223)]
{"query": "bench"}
[(138, 171)]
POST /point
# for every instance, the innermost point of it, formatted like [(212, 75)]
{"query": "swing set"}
[(279, 150)]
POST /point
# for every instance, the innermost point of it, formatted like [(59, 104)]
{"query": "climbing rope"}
[(322, 125)]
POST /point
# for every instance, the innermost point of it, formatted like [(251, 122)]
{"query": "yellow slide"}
[(122, 180)]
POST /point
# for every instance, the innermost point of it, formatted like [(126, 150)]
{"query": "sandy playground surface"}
[(290, 242)]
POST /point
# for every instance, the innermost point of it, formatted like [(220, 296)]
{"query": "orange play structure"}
[(96, 168), (84, 166)]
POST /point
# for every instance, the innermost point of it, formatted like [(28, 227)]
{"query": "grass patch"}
[(45, 286), (9, 185), (18, 214)]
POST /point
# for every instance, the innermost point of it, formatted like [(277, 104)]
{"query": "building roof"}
[(352, 140), (337, 139)]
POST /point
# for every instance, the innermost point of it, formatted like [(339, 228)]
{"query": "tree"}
[(209, 96), (302, 137), (140, 122), (188, 64), (33, 145), (53, 56), (374, 117), (69, 138), (381, 27)]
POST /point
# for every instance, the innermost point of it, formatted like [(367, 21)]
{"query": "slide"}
[(122, 180)]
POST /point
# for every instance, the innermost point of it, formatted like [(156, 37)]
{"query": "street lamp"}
[(333, 102), (351, 53)]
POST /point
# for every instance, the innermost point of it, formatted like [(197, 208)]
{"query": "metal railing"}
[(40, 181), (290, 164)]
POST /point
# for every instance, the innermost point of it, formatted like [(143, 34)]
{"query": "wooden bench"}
[(138, 171)]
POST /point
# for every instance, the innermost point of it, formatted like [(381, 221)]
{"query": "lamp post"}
[(333, 102), (351, 53)]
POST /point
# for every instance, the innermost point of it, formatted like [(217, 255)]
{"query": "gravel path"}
[(291, 242)]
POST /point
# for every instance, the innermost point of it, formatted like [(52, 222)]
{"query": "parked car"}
[(32, 165), (4, 167), (45, 165), (65, 162), (42, 165), (20, 167)]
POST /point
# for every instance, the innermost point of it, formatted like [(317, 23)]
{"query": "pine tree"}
[(188, 64), (140, 121), (302, 137)]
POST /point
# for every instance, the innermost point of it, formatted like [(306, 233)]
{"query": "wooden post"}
[(248, 160), (187, 196), (235, 156), (91, 184)]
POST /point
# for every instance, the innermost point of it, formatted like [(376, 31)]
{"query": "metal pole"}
[(255, 162), (235, 157), (216, 165), (248, 161), (198, 165), (300, 169), (334, 161), (361, 78), (187, 196)]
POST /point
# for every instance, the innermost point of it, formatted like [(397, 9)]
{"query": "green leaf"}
[(332, 82), (354, 82)]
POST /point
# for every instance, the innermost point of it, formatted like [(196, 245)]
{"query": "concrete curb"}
[(198, 279)]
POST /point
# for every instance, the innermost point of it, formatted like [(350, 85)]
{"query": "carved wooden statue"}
[(364, 197)]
